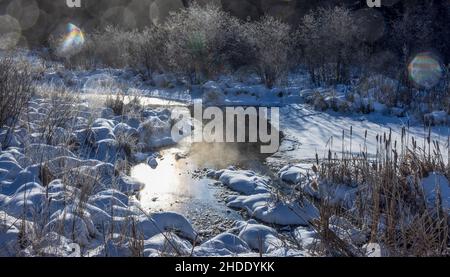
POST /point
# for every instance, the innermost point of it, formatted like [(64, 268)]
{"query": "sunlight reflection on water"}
[(170, 186)]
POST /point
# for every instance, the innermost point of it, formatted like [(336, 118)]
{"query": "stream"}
[(179, 183)]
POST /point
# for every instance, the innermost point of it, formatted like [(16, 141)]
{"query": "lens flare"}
[(425, 70), (72, 41)]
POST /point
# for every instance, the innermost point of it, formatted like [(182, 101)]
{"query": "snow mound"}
[(226, 244), (42, 152), (123, 129), (293, 174), (165, 222), (9, 236), (55, 245), (347, 231), (112, 248), (9, 169), (65, 223), (307, 237), (261, 238), (27, 201), (245, 182), (166, 245), (155, 132), (263, 207)]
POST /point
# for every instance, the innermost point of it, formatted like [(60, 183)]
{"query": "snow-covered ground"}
[(71, 193), (317, 132)]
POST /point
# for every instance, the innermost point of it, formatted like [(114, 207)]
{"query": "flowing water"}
[(179, 183)]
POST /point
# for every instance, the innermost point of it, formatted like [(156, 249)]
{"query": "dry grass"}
[(15, 91), (389, 205)]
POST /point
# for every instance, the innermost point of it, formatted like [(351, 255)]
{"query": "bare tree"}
[(328, 38), (272, 43), (15, 92), (195, 39)]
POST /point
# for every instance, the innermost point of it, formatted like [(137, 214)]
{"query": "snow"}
[(246, 182), (261, 238), (376, 250), (307, 237), (263, 207), (294, 174), (347, 231), (55, 245), (73, 226), (435, 185), (314, 130), (226, 244), (43, 152), (166, 221), (155, 132), (258, 201), (437, 117), (166, 245), (88, 169)]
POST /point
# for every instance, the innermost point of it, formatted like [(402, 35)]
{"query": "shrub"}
[(147, 50), (15, 91), (61, 111), (272, 43), (122, 104), (329, 43), (390, 204), (107, 47), (116, 103), (196, 39)]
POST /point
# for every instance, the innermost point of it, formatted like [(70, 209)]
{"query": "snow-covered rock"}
[(225, 243), (166, 245), (155, 132), (9, 139), (9, 169), (128, 185), (106, 150), (71, 226), (307, 237), (9, 236), (294, 174), (166, 221), (261, 238), (42, 152), (263, 207), (27, 201), (123, 129), (245, 182)]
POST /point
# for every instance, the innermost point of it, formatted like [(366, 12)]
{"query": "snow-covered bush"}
[(196, 37), (59, 114), (116, 103), (15, 91), (271, 41), (383, 89), (330, 44), (109, 46), (148, 50)]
